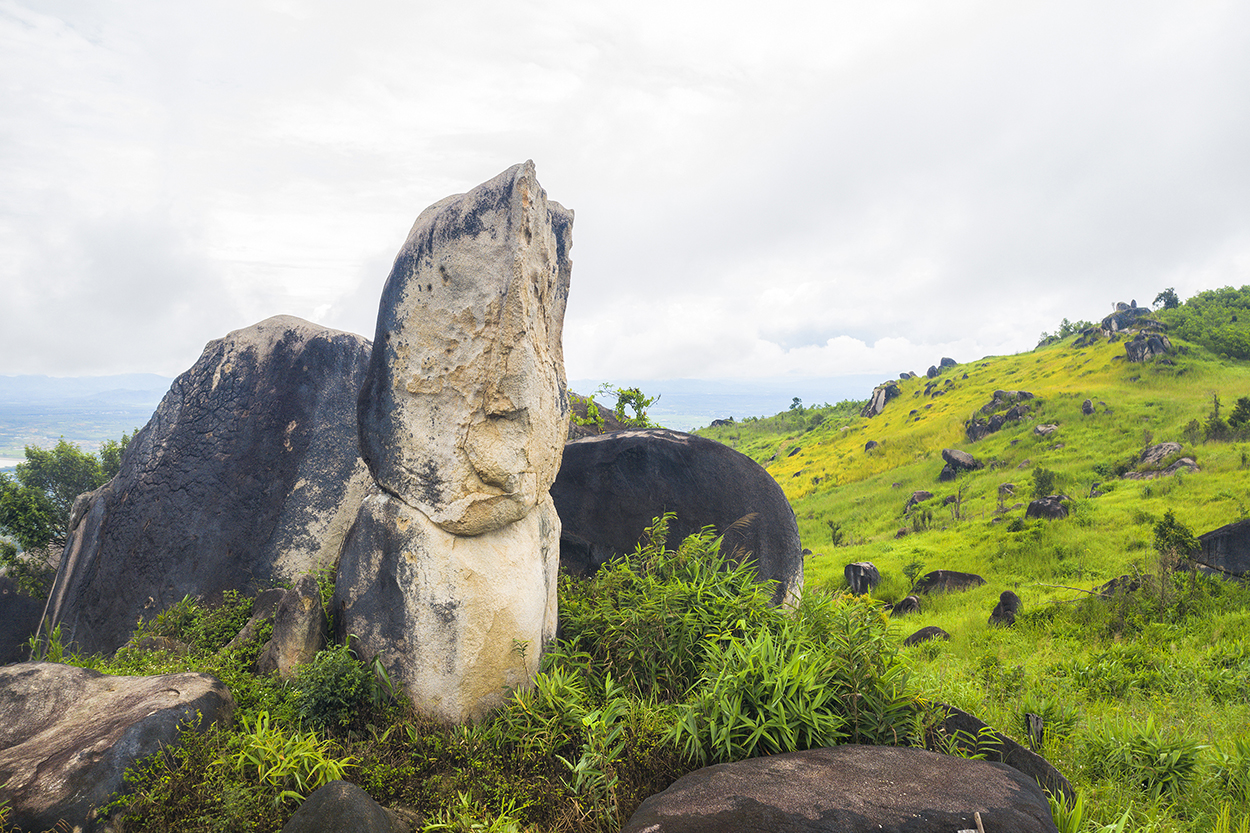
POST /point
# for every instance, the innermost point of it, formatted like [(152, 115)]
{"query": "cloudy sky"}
[(762, 189)]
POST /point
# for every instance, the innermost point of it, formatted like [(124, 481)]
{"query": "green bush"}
[(291, 764), (1139, 753), (332, 691)]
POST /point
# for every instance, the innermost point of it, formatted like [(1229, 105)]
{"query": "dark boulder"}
[(970, 733), (581, 424), (926, 634), (67, 735), (611, 487), (848, 789), (947, 581), (862, 577), (1050, 508), (1087, 407), (870, 445), (947, 362), (905, 606), (1226, 549), (880, 396), (340, 807), (19, 621), (1005, 407), (1146, 346), (1004, 612), (247, 475), (1122, 584), (917, 497), (957, 462)]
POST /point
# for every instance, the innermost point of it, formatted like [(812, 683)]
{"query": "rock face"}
[(449, 572), (68, 734), (1226, 549), (848, 789), (880, 396), (862, 577), (464, 410), (611, 487), (19, 620), (248, 474)]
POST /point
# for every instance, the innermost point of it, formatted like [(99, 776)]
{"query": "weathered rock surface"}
[(905, 606), (1146, 346), (68, 734), (964, 729), (1161, 460), (1004, 613), (848, 789), (464, 410), (1226, 549), (579, 407), (340, 807), (264, 606), (247, 475), (19, 620), (862, 577), (456, 620), (299, 628), (947, 581), (611, 487), (1005, 407), (917, 497), (957, 462)]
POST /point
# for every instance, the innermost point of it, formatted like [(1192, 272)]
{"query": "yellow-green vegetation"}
[(1146, 694)]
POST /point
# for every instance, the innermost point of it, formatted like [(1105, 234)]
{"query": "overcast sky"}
[(761, 189)]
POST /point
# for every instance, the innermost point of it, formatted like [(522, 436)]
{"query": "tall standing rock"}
[(247, 475), (449, 573)]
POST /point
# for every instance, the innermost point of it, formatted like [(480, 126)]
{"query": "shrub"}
[(293, 764), (1158, 762), (333, 690)]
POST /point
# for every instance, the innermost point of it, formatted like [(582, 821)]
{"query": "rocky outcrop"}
[(67, 735), (881, 394), (1126, 317), (611, 487), (1161, 460), (917, 497), (585, 422), (1050, 508), (448, 575), (848, 789), (1146, 346), (299, 627), (1226, 549), (862, 577), (341, 807), (971, 734), (247, 475), (1004, 408), (947, 581)]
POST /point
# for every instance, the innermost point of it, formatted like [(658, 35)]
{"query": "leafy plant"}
[(1157, 761), (468, 816), (333, 690), (293, 764)]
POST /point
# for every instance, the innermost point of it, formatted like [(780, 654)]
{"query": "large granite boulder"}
[(464, 410), (947, 581), (848, 789), (299, 630), (1226, 549), (957, 462), (247, 475), (862, 577), (611, 487), (68, 734), (449, 572), (971, 734)]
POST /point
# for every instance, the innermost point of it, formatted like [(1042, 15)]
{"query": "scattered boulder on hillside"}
[(917, 497), (905, 606), (20, 615), (1161, 460), (1126, 317), (68, 735), (925, 634), (970, 734), (716, 423), (1045, 429), (299, 627), (862, 577), (342, 807), (1122, 584), (1005, 407), (932, 372), (1087, 407), (462, 417), (611, 487), (957, 462), (1005, 611), (881, 394), (1050, 508), (905, 375), (247, 475), (870, 445), (848, 789), (947, 362), (1226, 549), (947, 581)]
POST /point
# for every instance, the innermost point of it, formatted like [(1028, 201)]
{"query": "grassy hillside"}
[(1159, 676)]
